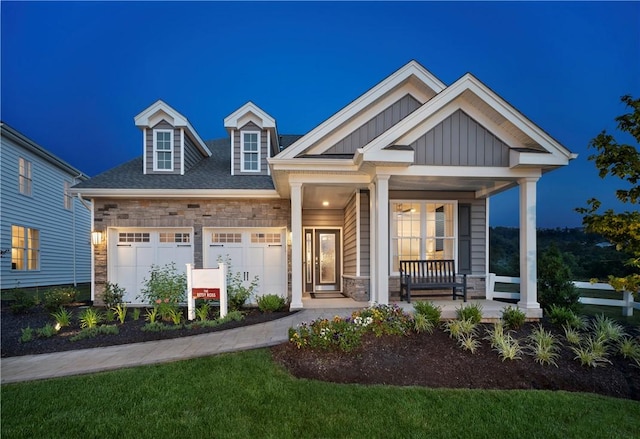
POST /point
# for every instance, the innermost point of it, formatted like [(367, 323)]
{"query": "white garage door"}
[(251, 252), (132, 252)]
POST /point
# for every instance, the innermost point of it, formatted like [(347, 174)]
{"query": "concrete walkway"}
[(83, 361)]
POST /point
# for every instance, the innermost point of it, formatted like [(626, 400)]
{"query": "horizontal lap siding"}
[(64, 234), (375, 126), (350, 241), (191, 154), (460, 141), (323, 218)]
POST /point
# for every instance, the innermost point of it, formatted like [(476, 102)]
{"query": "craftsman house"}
[(405, 171)]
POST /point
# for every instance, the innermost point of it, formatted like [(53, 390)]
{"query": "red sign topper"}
[(206, 293)]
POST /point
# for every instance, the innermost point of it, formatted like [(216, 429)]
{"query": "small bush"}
[(555, 286), (136, 314), (112, 295), (572, 335), (109, 315), (94, 332), (165, 285), (271, 303), (591, 353), (543, 346), (422, 324), (509, 348), (120, 311), (513, 317), (430, 312), (202, 312), (47, 331), (62, 317), (22, 302), (152, 314), (629, 348), (561, 316), (606, 329), (90, 318), (26, 334), (495, 335), (472, 311), (57, 297)]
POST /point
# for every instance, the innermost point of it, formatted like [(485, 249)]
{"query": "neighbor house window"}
[(68, 198), (250, 151), (24, 176), (25, 248), (422, 230), (163, 150)]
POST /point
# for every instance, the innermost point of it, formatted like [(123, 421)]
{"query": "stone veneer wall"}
[(196, 213), (356, 287)]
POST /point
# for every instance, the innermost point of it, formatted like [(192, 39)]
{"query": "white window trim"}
[(26, 249), (242, 167), (27, 176), (423, 229), (155, 150)]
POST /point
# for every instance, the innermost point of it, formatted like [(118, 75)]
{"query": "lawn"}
[(246, 395)]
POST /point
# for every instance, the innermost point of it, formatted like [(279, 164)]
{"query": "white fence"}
[(626, 303)]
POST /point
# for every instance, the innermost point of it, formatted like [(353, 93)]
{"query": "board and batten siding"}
[(460, 141), (163, 125), (365, 232), (65, 247), (237, 150), (375, 126)]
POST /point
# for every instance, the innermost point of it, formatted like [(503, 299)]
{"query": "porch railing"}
[(626, 303)]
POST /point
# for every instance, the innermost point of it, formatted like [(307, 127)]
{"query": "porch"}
[(491, 309)]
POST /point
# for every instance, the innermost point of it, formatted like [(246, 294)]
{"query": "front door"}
[(322, 260)]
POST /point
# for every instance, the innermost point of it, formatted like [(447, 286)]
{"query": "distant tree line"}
[(587, 255)]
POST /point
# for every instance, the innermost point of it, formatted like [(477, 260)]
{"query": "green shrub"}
[(60, 296), (561, 316), (237, 291), (26, 334), (94, 332), (495, 335), (62, 317), (120, 311), (555, 286), (543, 346), (422, 324), (109, 315), (606, 329), (430, 312), (509, 348), (165, 285), (591, 353), (159, 327), (46, 331), (472, 311), (152, 314), (513, 317), (112, 295), (271, 303), (202, 312), (629, 348), (136, 314), (22, 302), (90, 318)]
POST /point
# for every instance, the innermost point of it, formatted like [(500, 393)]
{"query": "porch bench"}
[(430, 275)]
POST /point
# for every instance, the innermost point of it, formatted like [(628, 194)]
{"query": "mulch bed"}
[(129, 332), (436, 361)]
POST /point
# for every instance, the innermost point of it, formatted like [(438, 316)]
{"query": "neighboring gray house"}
[(405, 171), (44, 229)]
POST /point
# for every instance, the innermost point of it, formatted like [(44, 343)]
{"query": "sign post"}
[(208, 284)]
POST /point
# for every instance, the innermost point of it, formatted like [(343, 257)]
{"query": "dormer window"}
[(250, 151), (163, 150)]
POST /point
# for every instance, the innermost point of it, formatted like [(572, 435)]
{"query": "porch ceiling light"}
[(96, 237), (325, 203)]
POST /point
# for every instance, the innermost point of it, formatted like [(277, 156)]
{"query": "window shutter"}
[(464, 238)]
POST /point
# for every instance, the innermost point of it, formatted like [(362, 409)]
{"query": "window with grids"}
[(133, 237), (226, 238), (68, 198), (24, 176), (25, 248), (266, 238), (163, 150), (251, 151), (175, 237), (422, 230)]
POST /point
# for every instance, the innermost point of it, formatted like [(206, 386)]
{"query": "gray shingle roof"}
[(210, 173)]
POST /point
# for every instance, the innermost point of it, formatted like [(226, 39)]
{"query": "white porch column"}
[(373, 287), (528, 252), (382, 239), (296, 245)]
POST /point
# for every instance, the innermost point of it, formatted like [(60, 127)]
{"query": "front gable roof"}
[(159, 111), (411, 78), (249, 112)]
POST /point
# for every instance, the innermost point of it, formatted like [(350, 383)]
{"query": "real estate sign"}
[(207, 284)]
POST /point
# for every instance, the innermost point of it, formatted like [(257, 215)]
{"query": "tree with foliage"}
[(622, 161), (555, 285)]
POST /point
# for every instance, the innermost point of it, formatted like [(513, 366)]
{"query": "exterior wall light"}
[(96, 237)]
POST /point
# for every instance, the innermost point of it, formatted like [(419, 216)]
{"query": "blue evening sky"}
[(75, 74)]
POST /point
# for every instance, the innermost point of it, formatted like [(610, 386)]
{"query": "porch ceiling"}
[(481, 186), (337, 196)]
